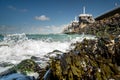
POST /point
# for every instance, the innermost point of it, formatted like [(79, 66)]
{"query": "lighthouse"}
[(85, 18)]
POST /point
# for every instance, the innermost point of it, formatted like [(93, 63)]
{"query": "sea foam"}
[(17, 47)]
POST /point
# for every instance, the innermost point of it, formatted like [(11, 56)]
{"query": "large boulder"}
[(90, 60), (26, 70), (30, 68)]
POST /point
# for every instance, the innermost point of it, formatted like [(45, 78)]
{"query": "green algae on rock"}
[(29, 66)]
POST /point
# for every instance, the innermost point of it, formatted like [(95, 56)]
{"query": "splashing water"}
[(17, 47)]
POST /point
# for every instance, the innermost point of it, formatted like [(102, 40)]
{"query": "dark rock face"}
[(102, 27), (95, 60), (110, 25)]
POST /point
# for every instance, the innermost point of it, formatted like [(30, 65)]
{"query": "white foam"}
[(20, 48), (28, 48)]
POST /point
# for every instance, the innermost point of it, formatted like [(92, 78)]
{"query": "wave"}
[(17, 47)]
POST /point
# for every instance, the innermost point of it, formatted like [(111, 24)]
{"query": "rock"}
[(29, 66), (5, 64), (89, 60), (17, 76), (8, 71), (36, 58), (47, 75), (100, 28), (53, 54)]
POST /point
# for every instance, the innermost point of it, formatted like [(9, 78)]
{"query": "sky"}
[(46, 16)]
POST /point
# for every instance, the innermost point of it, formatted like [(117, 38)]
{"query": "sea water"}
[(17, 47)]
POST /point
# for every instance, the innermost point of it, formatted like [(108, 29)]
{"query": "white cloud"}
[(42, 18), (51, 29)]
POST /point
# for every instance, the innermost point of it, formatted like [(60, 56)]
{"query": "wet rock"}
[(53, 54), (5, 64), (41, 61), (89, 60), (36, 58), (8, 71), (28, 67), (17, 76), (47, 75), (100, 28)]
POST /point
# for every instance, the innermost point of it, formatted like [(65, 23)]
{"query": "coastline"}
[(104, 25), (89, 60)]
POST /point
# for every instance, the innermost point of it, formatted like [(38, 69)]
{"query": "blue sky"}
[(46, 16)]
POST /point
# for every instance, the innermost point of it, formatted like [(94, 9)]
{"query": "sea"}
[(16, 47)]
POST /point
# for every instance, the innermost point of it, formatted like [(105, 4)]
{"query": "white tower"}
[(84, 10)]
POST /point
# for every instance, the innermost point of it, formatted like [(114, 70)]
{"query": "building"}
[(86, 18), (76, 24)]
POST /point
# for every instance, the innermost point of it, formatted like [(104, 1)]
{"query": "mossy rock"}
[(82, 63), (27, 66)]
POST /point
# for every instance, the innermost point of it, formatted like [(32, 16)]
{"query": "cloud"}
[(8, 29), (43, 29), (55, 29), (42, 18), (23, 10), (12, 7), (51, 29), (31, 29)]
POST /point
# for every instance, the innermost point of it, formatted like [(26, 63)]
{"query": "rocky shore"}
[(90, 60), (96, 59), (100, 27), (110, 25)]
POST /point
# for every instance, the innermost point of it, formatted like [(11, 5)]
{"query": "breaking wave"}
[(17, 47)]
